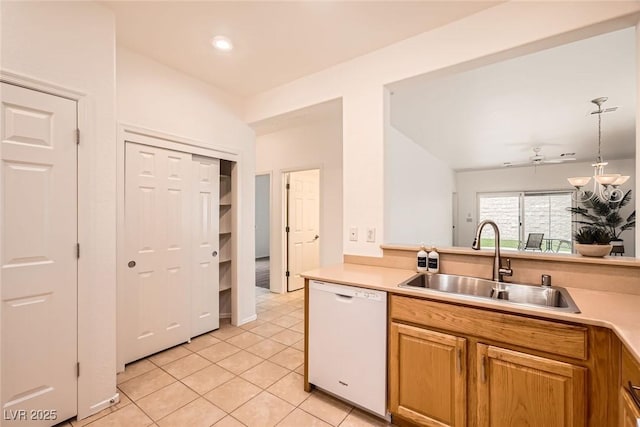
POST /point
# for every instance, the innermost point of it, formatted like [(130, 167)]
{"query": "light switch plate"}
[(371, 234), (353, 234)]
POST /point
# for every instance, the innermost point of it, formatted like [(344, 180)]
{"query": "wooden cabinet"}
[(629, 408), (518, 389), (454, 365), (428, 380)]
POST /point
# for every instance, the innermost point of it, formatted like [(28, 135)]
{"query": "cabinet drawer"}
[(551, 337)]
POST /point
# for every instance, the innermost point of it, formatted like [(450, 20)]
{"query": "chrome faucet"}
[(498, 271)]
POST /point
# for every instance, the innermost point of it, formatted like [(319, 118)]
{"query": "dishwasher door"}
[(348, 343)]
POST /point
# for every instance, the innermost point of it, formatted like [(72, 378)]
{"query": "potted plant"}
[(597, 214), (592, 241)]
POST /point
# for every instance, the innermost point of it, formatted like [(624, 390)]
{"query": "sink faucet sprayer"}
[(498, 271)]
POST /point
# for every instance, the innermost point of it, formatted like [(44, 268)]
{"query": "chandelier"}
[(605, 185)]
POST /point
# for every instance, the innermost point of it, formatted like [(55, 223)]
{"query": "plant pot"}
[(617, 242), (593, 250), (618, 247)]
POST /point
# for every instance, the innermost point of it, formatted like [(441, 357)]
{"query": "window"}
[(518, 214), (504, 210)]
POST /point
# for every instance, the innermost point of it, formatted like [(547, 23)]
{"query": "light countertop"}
[(616, 311)]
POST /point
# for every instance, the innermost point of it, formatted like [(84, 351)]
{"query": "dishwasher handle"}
[(343, 298)]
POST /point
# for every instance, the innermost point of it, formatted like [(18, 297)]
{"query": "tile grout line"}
[(278, 311)]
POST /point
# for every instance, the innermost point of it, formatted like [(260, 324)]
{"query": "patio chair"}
[(534, 242)]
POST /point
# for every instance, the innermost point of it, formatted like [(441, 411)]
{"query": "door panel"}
[(427, 376), (629, 411), (206, 202), (157, 239), (39, 264), (520, 389), (304, 224)]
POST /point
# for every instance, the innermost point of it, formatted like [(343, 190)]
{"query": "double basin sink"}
[(548, 297)]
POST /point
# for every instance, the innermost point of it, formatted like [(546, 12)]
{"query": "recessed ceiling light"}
[(222, 43)]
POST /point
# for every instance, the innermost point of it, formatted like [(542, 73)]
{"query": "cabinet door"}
[(629, 411), (518, 389), (427, 376)]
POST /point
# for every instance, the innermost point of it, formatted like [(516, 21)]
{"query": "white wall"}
[(154, 96), (72, 45), (310, 146), (417, 193), (263, 215), (506, 30), (637, 185), (541, 178)]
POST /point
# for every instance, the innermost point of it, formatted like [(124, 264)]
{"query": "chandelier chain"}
[(599, 133)]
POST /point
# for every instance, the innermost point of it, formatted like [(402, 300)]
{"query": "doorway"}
[(302, 225), (263, 230)]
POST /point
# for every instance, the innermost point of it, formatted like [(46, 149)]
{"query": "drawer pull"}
[(484, 369), (633, 390)]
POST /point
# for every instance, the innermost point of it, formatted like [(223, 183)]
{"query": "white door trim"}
[(39, 85), (140, 135)]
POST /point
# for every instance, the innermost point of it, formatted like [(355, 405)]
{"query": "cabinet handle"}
[(484, 369), (459, 361), (633, 389)]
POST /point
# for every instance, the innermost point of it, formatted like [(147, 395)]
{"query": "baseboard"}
[(94, 409), (247, 319)]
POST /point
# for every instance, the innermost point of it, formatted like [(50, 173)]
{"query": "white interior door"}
[(205, 283), (39, 261), (304, 223), (158, 242)]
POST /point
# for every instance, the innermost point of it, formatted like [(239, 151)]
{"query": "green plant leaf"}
[(600, 208), (613, 220), (631, 217), (601, 220), (625, 200), (629, 225)]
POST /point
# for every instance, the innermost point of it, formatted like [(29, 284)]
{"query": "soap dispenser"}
[(422, 259), (433, 261)]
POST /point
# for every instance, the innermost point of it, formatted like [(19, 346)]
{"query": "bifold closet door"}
[(205, 283), (158, 239)]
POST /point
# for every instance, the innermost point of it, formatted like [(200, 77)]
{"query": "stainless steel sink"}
[(549, 297)]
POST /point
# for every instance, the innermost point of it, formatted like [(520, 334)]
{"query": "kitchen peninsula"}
[(484, 355)]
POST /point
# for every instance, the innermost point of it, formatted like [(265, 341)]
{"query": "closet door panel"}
[(157, 298), (205, 283)]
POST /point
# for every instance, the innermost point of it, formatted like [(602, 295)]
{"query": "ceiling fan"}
[(539, 159)]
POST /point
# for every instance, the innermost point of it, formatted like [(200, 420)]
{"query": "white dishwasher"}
[(348, 343)]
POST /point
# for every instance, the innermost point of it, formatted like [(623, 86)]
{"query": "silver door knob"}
[(214, 254)]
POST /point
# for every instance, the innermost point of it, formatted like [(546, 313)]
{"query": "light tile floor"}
[(235, 376)]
